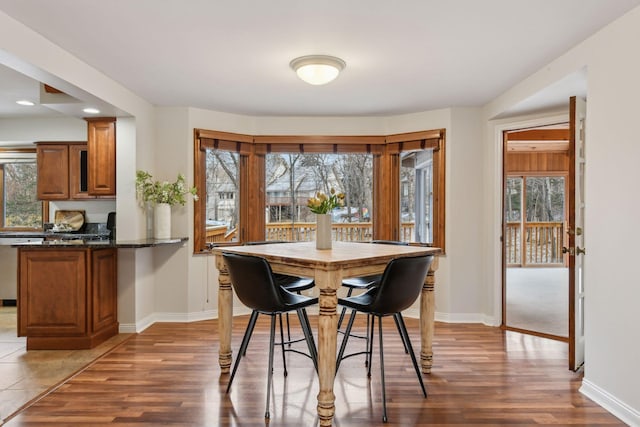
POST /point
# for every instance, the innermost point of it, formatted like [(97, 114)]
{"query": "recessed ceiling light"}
[(26, 103), (317, 69), (91, 111)]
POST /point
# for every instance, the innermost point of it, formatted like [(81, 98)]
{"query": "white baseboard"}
[(609, 402), (143, 324)]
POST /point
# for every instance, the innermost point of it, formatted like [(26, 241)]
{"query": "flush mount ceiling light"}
[(26, 103), (91, 111), (317, 69)]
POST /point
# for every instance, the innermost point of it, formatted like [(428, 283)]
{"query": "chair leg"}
[(308, 334), (347, 332), (384, 394), (404, 343), (284, 360), (344, 309), (243, 346), (270, 370), (252, 322), (367, 339), (289, 329), (413, 356), (370, 339)]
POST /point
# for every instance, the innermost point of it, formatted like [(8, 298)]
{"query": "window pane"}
[(416, 196), (21, 206), (223, 201), (545, 211), (545, 198), (513, 218), (293, 178)]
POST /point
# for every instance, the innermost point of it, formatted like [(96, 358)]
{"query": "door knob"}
[(568, 250), (579, 250)]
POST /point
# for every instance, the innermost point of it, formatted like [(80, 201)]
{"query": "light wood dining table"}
[(328, 267)]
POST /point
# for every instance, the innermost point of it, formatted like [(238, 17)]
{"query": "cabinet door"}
[(101, 146), (104, 289), (52, 293), (53, 171), (79, 172)]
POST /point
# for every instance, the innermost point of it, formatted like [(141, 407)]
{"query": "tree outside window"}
[(222, 201), (20, 206), (293, 178)]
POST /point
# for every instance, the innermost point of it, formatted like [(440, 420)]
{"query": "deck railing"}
[(306, 231), (542, 244)]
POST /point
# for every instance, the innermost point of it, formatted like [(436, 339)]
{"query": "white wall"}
[(43, 129), (612, 175), (613, 208)]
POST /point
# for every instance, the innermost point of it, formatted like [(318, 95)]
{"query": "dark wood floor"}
[(169, 375)]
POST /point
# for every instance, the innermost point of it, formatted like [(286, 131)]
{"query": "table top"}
[(342, 254)]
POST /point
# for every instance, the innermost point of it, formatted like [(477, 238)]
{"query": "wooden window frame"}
[(386, 166)]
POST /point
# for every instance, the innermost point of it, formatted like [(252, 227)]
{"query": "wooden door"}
[(575, 230)]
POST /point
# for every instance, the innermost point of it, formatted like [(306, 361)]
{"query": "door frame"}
[(496, 247), (524, 175)]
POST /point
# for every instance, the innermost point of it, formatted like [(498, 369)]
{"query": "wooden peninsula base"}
[(67, 297)]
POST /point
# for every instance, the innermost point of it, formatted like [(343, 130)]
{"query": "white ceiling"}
[(402, 56)]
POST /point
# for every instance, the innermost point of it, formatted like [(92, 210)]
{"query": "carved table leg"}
[(225, 315), (327, 343), (427, 317)]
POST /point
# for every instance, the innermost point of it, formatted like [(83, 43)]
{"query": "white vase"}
[(149, 218), (323, 231), (162, 221)]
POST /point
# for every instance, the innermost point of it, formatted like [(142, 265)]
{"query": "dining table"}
[(327, 267)]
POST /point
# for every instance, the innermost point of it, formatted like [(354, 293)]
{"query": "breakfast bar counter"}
[(68, 291)]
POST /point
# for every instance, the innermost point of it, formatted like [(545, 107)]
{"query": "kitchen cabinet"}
[(66, 170), (101, 146), (53, 171), (62, 171), (67, 297)]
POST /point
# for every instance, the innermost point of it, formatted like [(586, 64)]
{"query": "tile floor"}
[(24, 376)]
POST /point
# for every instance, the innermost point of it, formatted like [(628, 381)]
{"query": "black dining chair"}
[(291, 283), (255, 285), (363, 283), (399, 287)]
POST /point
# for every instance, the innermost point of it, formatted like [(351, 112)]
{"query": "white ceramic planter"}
[(323, 231), (162, 221)]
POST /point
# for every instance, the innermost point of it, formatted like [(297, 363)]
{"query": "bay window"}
[(257, 187)]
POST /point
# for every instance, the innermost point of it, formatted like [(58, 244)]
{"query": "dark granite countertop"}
[(97, 244)]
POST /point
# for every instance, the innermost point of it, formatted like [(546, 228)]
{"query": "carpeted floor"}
[(538, 300)]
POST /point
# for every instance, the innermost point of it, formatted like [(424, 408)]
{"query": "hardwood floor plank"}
[(169, 375)]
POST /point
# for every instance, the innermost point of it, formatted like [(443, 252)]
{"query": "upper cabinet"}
[(79, 170), (53, 171), (101, 146)]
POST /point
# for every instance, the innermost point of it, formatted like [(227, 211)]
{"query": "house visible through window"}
[(292, 178)]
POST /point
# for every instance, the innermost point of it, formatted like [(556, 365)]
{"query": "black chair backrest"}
[(401, 284), (253, 283)]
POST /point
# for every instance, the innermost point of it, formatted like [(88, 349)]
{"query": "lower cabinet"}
[(67, 297)]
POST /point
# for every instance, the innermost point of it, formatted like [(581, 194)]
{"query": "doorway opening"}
[(535, 211)]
